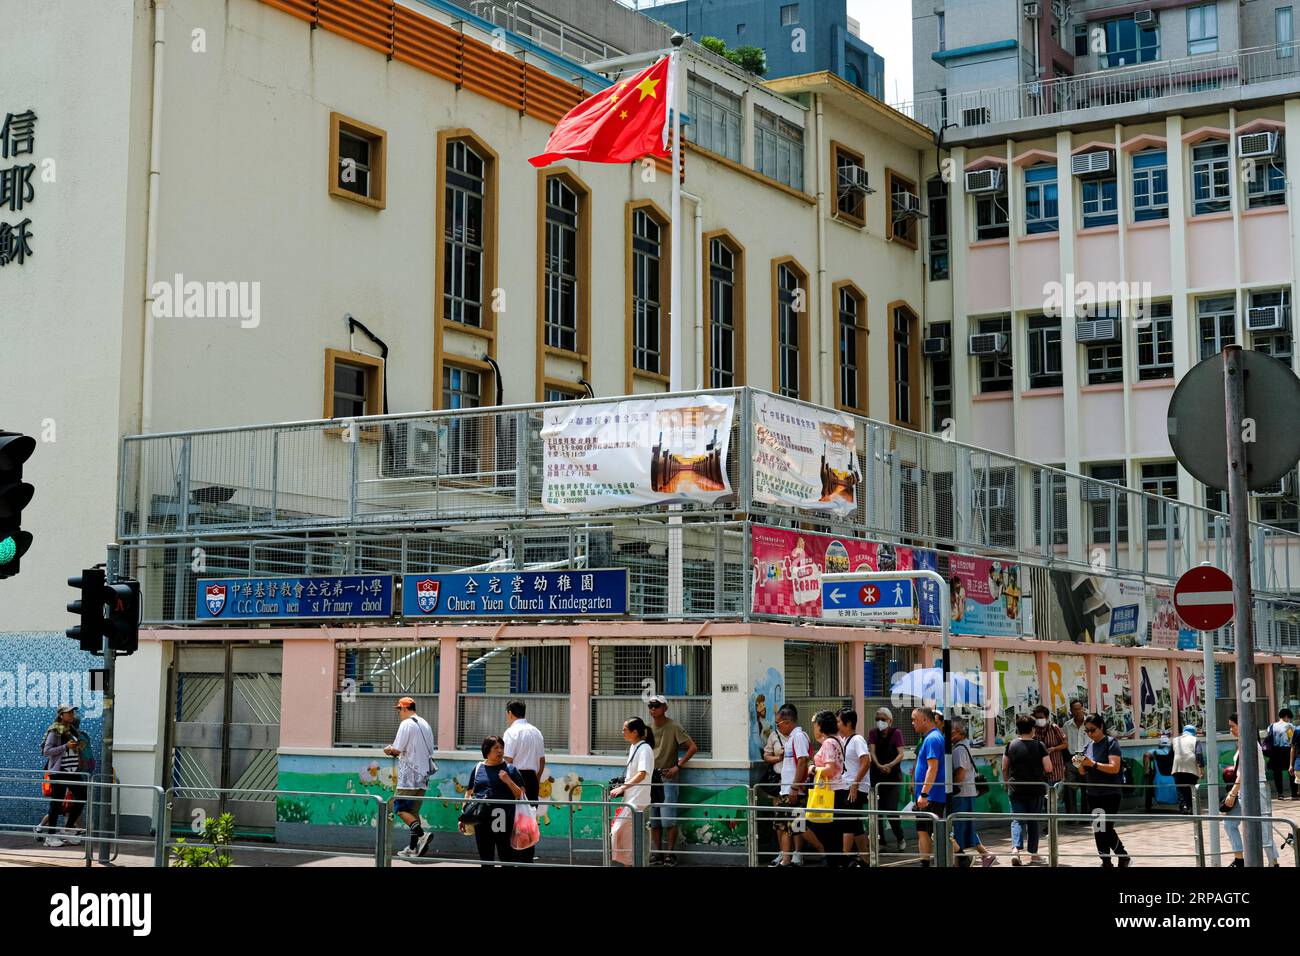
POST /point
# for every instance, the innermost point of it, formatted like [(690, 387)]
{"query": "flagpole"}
[(675, 596)]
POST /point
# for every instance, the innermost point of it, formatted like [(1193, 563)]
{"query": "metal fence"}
[(1114, 87), (481, 715), (695, 714)]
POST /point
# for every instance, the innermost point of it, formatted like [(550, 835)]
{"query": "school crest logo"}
[(426, 595), (216, 599)]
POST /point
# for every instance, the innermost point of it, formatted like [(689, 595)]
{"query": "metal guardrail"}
[(1113, 87)]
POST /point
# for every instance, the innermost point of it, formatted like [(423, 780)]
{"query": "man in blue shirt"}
[(929, 793)]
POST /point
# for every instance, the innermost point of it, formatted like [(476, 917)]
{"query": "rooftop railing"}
[(1115, 87)]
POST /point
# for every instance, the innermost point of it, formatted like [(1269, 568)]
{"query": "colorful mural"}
[(1016, 691), (1114, 696), (769, 694), (1189, 696), (1067, 680), (1154, 699)]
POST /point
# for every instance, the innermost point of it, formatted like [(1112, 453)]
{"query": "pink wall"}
[(1040, 263), (1266, 246), (988, 279), (1101, 431), (1148, 256), (1209, 253), (1097, 257), (1150, 414), (1044, 420), (307, 694), (992, 425)]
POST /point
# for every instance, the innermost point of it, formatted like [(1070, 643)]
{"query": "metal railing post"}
[(382, 834), (1054, 824), (941, 845), (1198, 835), (352, 480), (639, 842), (874, 824), (160, 828), (751, 822), (604, 830)]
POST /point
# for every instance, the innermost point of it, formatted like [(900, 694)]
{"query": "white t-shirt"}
[(524, 745), (1076, 737), (855, 749), (640, 756), (1185, 754), (414, 736), (796, 746)]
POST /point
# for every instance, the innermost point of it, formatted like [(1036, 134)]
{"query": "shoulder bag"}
[(981, 781), (474, 810)]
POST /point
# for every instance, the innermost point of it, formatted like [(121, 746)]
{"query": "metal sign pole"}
[(1208, 685), (1234, 389), (111, 571)]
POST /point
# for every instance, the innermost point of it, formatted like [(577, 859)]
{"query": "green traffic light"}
[(8, 550)]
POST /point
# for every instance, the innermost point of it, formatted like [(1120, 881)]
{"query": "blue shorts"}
[(408, 805), (661, 816)]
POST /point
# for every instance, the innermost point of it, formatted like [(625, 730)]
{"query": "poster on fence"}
[(966, 689), (1101, 608), (1189, 696), (637, 452), (1114, 695), (1067, 680), (1164, 620), (1154, 699), (788, 569), (804, 457), (1016, 691), (985, 596)]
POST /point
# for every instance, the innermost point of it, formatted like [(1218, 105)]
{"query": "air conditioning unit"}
[(414, 449), (1278, 489), (854, 178), (1093, 491), (988, 343), (990, 498), (1097, 330), (1094, 163), (908, 204), (1265, 318), (984, 180), (935, 345), (976, 116), (1146, 19), (1033, 11), (1257, 145)]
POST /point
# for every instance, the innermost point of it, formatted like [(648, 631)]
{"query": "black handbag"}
[(474, 810)]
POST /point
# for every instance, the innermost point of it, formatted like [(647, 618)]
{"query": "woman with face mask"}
[(885, 742), (1053, 739)]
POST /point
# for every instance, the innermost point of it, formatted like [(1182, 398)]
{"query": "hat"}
[(407, 702), (1164, 740), (66, 709), (1190, 729), (658, 699)]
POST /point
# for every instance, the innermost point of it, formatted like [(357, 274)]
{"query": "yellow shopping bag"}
[(821, 801)]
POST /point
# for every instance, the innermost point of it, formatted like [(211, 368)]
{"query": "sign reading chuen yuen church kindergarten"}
[(595, 593), (17, 139), (328, 597)]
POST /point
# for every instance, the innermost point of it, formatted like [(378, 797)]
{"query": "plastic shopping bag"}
[(525, 832), (821, 801)]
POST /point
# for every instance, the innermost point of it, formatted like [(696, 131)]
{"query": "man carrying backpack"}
[(413, 749)]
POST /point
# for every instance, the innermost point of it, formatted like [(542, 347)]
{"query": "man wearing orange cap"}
[(413, 749)]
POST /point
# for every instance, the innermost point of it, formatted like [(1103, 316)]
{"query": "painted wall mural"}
[(1189, 696), (1115, 696), (1067, 680), (1016, 691), (1154, 699), (768, 695)]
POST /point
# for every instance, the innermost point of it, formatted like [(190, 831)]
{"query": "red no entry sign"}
[(1203, 598)]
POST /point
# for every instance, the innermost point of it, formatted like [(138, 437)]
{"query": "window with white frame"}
[(1202, 28), (941, 379), (462, 389), (647, 292), (464, 256), (991, 216), (1265, 180), (1216, 499), (1044, 351), (937, 203), (561, 264), (1160, 479), (1284, 21), (1211, 178), (1105, 360), (789, 283), (722, 314), (1150, 185), (1057, 486), (1127, 43), (789, 14), (996, 370), (778, 148), (1105, 504), (1041, 212), (1155, 343), (1274, 342), (716, 119), (1216, 324), (1100, 202)]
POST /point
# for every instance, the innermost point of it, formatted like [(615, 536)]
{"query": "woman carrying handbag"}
[(634, 788), (492, 823)]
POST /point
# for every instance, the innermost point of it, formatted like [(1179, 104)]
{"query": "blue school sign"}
[(295, 598), (599, 593)]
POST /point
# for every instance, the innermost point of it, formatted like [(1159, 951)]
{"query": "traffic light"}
[(14, 497), (90, 632), (122, 623)]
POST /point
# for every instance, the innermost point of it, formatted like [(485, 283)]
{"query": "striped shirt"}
[(1051, 736)]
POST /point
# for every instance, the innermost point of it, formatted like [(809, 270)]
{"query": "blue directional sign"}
[(509, 594), (868, 599), (336, 597)]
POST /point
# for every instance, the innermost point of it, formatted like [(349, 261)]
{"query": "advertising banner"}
[(1102, 609), (804, 457), (636, 452), (1164, 620), (295, 598), (788, 569), (1115, 696), (1154, 699), (1189, 696), (1016, 691), (985, 596), (1067, 680)]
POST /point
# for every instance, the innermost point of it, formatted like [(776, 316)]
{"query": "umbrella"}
[(926, 683)]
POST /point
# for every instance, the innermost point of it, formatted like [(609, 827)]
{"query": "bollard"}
[(638, 837), (751, 821), (1053, 825), (874, 824), (941, 842), (1199, 834), (159, 831), (382, 837)]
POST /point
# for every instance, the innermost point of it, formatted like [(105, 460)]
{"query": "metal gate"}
[(225, 732)]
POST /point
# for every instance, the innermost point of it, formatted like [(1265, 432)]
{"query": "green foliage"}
[(359, 814), (219, 833), (750, 58), (292, 811)]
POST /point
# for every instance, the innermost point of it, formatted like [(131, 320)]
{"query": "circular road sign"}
[(1203, 598), (1197, 420), (869, 594)]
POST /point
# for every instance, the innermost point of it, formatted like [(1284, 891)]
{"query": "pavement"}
[(1169, 841)]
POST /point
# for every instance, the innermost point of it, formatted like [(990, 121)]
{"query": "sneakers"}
[(902, 846), (410, 853), (669, 859), (776, 861), (796, 859), (53, 841), (1035, 860), (70, 836), (422, 844), (1015, 857), (988, 860)]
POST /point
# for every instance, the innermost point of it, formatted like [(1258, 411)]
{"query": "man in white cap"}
[(1189, 766), (670, 738)]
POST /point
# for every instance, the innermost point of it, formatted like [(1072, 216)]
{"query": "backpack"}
[(981, 781)]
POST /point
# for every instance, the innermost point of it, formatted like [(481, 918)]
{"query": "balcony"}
[(1123, 91)]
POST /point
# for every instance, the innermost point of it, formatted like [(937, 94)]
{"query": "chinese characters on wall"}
[(17, 139)]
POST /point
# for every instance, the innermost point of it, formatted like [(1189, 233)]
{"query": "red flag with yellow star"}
[(618, 125)]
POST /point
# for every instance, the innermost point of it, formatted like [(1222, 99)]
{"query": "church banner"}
[(804, 457)]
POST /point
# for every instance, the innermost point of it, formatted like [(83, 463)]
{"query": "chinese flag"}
[(623, 123)]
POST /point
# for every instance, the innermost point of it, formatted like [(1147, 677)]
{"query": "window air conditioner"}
[(984, 181), (976, 116), (1264, 318), (908, 204), (1146, 19), (1033, 11), (853, 178), (1097, 330), (988, 343), (1278, 489), (1094, 491), (1257, 145), (936, 345), (1091, 164), (414, 449)]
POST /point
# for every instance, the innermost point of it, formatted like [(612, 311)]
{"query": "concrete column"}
[(140, 723), (307, 689), (448, 687), (579, 695), (992, 695), (858, 677), (959, 239), (746, 668)]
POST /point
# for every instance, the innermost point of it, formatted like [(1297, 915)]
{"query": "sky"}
[(887, 26)]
